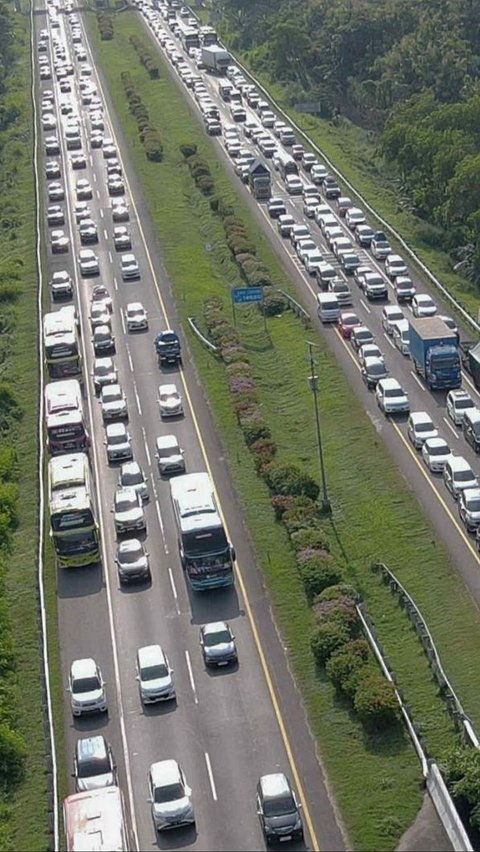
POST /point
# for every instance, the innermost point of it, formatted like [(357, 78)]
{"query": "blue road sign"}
[(247, 294)]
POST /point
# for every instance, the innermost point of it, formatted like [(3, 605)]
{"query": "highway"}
[(430, 489), (226, 728)]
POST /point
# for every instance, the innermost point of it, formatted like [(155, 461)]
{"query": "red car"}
[(347, 321)]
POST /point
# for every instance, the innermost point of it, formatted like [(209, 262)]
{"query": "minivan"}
[(328, 307), (471, 428)]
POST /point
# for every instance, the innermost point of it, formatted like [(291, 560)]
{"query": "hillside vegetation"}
[(405, 69)]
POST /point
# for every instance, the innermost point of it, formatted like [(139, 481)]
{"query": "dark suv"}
[(277, 809)]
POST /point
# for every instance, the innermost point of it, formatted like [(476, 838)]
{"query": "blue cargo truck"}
[(435, 353)]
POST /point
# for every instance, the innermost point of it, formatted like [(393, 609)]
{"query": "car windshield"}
[(461, 404), (170, 793), (442, 450), (279, 806), (463, 476), (94, 766), (112, 396), (168, 397), (394, 392), (128, 557), (103, 370), (376, 369), (85, 684), (424, 427), (154, 672), (217, 638), (124, 504), (132, 477)]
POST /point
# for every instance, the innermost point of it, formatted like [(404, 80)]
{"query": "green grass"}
[(26, 825), (376, 517)]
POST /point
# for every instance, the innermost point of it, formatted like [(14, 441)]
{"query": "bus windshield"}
[(66, 433), (78, 542), (74, 519), (204, 543)]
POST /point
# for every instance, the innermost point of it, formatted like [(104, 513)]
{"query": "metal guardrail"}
[(206, 342), (452, 701), (434, 280), (450, 819), (296, 307)]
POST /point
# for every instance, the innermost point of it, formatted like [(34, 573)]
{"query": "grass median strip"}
[(375, 515)]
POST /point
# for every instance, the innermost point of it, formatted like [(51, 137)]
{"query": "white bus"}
[(285, 164), (61, 345), (64, 419), (189, 36), (208, 36), (205, 552), (68, 471), (95, 822)]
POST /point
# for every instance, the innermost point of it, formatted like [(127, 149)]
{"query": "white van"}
[(328, 307)]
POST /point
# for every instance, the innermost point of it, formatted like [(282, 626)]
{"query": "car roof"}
[(126, 492), (150, 655), (275, 784), (115, 429), (472, 413), (165, 772), (436, 442), (167, 389), (84, 668), (215, 626), (390, 384), (131, 467), (459, 463), (392, 309), (459, 394), (166, 441), (129, 545), (135, 306), (420, 416), (472, 493), (91, 747), (103, 362)]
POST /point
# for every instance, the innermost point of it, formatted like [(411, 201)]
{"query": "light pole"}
[(313, 385)]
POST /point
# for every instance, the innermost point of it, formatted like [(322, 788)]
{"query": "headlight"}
[(434, 377)]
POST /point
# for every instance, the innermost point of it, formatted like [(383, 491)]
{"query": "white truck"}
[(215, 59)]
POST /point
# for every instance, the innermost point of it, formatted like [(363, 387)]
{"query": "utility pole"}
[(313, 385)]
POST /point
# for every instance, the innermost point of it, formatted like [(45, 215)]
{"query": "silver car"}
[(132, 476), (132, 561), (170, 796), (128, 512), (154, 675), (113, 403), (118, 443)]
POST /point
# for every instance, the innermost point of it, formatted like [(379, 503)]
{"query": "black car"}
[(276, 207), (218, 644), (373, 370), (278, 809)]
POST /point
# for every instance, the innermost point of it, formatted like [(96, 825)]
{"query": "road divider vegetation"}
[(375, 515), (146, 58), (149, 135), (105, 25)]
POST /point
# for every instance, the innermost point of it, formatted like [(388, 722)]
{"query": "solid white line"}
[(450, 426), (368, 310), (418, 381), (105, 233), (137, 398), (210, 776), (130, 362), (190, 674), (160, 521)]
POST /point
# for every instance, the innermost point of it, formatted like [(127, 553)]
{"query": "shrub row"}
[(105, 25), (149, 135), (199, 169), (145, 57)]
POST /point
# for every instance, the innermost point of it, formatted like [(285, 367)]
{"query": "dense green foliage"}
[(404, 68)]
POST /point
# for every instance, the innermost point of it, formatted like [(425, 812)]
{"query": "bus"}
[(205, 552), (64, 420), (208, 36), (188, 35), (61, 345), (285, 164), (73, 528), (68, 471), (95, 820)]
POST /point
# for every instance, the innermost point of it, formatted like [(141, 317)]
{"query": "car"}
[(101, 294), (401, 336), (81, 211), (298, 151), (170, 796), (450, 323), (96, 137), (374, 286), (403, 288), (109, 150), (233, 147), (471, 428), (373, 370), (391, 398), (420, 426), (310, 205), (55, 191), (469, 508), (88, 232), (55, 215), (115, 185), (136, 317), (278, 809), (104, 373), (99, 314), (49, 122), (132, 561), (120, 211), (310, 190), (285, 224), (113, 403), (61, 285), (318, 173), (93, 765), (380, 246), (435, 453), (83, 190), (312, 260), (132, 476), (276, 207), (458, 475), (88, 262), (342, 204), (331, 231), (114, 168), (293, 185), (330, 187), (360, 273), (423, 305), (309, 161), (369, 350), (361, 336), (218, 644), (349, 261), (347, 321), (395, 266), (299, 232), (118, 443), (129, 267), (391, 314), (52, 170), (364, 235), (52, 145), (103, 340), (354, 217), (304, 247), (59, 241), (169, 401), (128, 514), (341, 290), (169, 455), (458, 401), (213, 127), (86, 687), (154, 675), (78, 161)]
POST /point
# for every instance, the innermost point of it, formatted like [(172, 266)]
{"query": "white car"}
[(55, 191), (88, 262), (154, 675), (420, 427), (169, 455), (136, 317), (118, 443), (469, 508), (61, 285), (113, 403), (293, 185), (310, 205), (305, 246), (87, 688), (101, 294), (458, 401), (132, 476), (458, 475), (391, 398), (435, 454), (169, 401), (170, 796), (391, 314), (423, 305), (369, 350), (313, 260), (353, 217), (119, 211), (128, 512), (83, 190), (104, 373), (395, 266), (99, 314), (129, 267), (82, 211), (318, 173)]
